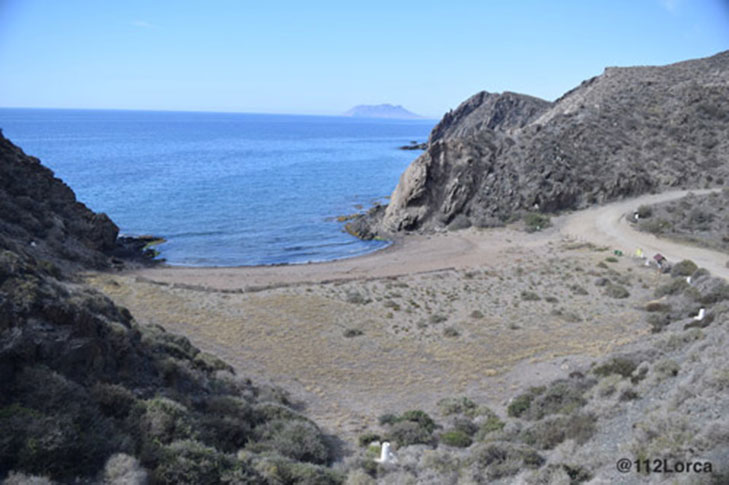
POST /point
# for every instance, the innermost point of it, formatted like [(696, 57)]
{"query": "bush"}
[(655, 226), (123, 469), (617, 365), (490, 425), (407, 433), (547, 434), (437, 318), (684, 268), (520, 404), (191, 462), (356, 298), (412, 427), (456, 405), (644, 211), (165, 420), (367, 438), (282, 471), (561, 397), (477, 314), (616, 291), (17, 478), (501, 460), (419, 417), (456, 438), (536, 222), (299, 440), (530, 296), (353, 332), (611, 259), (451, 332), (671, 288)]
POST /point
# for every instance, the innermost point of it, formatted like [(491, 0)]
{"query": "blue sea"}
[(224, 189)]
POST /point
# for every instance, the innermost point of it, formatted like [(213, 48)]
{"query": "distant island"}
[(381, 111)]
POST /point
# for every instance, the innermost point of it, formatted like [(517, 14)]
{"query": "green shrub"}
[(114, 400), (530, 296), (535, 221), (611, 259), (388, 419), (477, 314), (166, 420), (357, 298), (412, 427), (406, 433), (547, 434), (420, 417), (616, 291), (277, 470), (353, 332), (617, 365), (190, 462), (451, 332), (644, 211), (718, 290), (299, 440), (456, 405), (496, 461), (456, 438), (655, 226), (671, 288), (560, 397), (520, 404), (437, 318), (490, 425), (367, 438), (684, 268)]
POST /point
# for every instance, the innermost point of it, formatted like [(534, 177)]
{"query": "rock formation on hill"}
[(88, 395), (626, 132)]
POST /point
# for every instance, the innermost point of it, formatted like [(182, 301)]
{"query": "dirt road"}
[(607, 225)]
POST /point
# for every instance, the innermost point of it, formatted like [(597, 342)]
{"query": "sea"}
[(224, 189)]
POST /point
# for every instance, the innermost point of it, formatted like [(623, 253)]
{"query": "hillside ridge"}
[(628, 131)]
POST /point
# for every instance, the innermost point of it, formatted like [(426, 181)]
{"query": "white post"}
[(701, 315), (386, 456)]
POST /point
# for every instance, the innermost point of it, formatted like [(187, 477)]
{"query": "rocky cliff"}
[(626, 132), (40, 217)]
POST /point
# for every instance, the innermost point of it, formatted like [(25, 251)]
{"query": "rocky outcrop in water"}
[(626, 132)]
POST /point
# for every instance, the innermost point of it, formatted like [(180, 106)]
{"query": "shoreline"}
[(390, 243), (468, 248)]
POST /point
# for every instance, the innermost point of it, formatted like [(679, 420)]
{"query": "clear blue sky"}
[(324, 57)]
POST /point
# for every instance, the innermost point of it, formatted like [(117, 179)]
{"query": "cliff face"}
[(41, 216), (623, 133)]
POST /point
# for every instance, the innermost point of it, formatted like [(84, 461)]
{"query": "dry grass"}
[(294, 336)]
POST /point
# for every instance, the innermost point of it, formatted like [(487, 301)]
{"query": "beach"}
[(478, 312)]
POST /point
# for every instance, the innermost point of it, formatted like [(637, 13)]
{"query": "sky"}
[(322, 57)]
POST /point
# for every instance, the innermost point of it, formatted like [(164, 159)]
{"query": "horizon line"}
[(214, 111)]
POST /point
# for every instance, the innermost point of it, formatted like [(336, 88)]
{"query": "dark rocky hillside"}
[(90, 395), (626, 132), (40, 217)]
